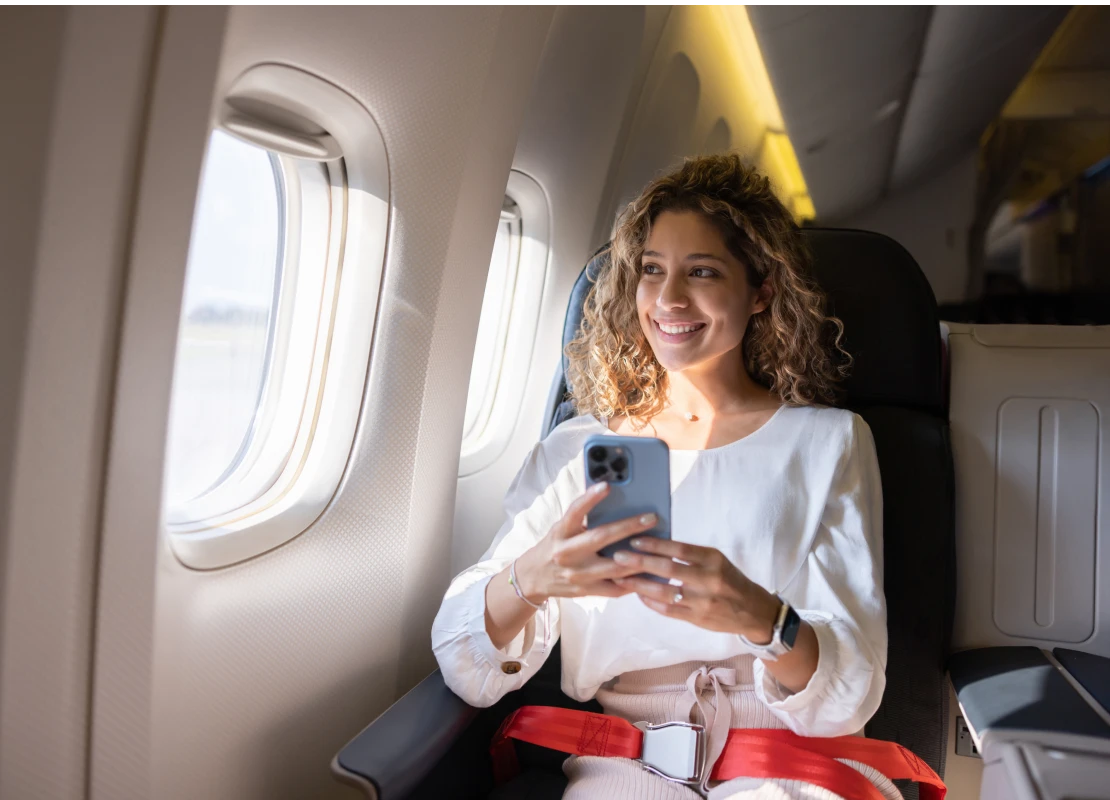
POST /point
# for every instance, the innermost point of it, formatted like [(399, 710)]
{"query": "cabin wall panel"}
[(75, 240), (243, 682), (931, 221), (30, 45)]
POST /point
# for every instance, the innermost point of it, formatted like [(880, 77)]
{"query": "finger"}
[(674, 610), (600, 568), (690, 553), (574, 521), (596, 538), (660, 592), (605, 589), (661, 566)]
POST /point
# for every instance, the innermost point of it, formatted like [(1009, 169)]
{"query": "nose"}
[(672, 294)]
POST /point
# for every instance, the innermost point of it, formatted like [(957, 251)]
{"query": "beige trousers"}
[(719, 696)]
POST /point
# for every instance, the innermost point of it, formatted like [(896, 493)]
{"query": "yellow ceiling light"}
[(775, 156)]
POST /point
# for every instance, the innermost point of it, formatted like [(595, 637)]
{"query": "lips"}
[(676, 333)]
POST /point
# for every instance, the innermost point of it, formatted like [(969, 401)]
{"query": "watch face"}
[(790, 627)]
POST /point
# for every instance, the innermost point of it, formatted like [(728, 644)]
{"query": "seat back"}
[(893, 334), (1028, 416)]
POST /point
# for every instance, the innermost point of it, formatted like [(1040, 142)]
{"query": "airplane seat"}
[(893, 333)]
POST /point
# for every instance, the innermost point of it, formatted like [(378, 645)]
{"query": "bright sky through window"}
[(230, 287)]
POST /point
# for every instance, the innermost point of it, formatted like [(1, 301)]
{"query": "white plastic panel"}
[(1046, 478), (1028, 416), (242, 683), (1025, 771)]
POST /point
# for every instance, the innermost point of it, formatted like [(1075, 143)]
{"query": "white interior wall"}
[(243, 682), (930, 220), (30, 42), (583, 90), (58, 454)]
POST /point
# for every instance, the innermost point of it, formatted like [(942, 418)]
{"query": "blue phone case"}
[(643, 486)]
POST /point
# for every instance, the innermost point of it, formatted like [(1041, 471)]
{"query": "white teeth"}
[(675, 329)]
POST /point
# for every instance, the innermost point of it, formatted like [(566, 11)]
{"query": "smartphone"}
[(638, 471)]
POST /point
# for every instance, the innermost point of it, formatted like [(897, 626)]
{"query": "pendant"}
[(690, 416)]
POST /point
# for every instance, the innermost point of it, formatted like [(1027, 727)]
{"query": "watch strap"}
[(787, 621)]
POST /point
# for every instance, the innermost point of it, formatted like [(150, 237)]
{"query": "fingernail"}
[(621, 557), (638, 543), (600, 487), (648, 519)]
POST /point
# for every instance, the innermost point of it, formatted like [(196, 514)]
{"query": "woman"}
[(706, 332)]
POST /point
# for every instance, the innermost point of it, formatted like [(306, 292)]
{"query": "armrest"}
[(1090, 671), (394, 752), (1010, 693)]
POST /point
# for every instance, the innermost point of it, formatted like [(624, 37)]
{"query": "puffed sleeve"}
[(839, 592), (471, 665)]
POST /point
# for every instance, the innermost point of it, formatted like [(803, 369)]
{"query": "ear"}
[(761, 298)]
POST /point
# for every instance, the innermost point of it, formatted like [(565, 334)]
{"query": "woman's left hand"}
[(713, 594)]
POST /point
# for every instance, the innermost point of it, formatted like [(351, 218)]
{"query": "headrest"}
[(874, 286)]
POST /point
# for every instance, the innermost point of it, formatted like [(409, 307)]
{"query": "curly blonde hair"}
[(792, 348)]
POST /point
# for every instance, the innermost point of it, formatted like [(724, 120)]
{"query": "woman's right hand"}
[(565, 563)]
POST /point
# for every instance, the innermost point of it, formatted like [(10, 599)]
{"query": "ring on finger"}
[(677, 597)]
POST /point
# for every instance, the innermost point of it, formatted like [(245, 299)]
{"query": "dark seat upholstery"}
[(892, 332)]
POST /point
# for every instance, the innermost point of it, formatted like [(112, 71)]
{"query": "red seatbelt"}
[(748, 753)]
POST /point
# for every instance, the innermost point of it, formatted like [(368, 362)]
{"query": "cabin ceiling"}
[(877, 98)]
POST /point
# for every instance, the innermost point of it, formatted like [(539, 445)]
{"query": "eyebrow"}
[(691, 257)]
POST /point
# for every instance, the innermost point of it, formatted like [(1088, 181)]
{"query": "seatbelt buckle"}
[(674, 750)]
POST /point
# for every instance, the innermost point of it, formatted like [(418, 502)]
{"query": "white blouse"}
[(796, 505)]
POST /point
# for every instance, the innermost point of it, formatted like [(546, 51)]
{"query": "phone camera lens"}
[(598, 453), (598, 472), (619, 464)]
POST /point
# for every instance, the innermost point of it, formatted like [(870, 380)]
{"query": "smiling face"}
[(694, 299)]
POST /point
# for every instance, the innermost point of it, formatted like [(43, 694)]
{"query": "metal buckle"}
[(673, 750)]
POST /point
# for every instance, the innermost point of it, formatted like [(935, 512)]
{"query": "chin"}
[(676, 364)]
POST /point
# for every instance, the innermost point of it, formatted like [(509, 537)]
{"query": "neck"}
[(711, 389)]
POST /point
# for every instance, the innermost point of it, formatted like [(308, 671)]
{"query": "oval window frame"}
[(301, 116)]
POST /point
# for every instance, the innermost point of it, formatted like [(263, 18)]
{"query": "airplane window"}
[(507, 327), (226, 342), (248, 349), (494, 324), (275, 339)]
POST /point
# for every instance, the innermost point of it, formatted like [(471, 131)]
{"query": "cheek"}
[(731, 314), (645, 298)]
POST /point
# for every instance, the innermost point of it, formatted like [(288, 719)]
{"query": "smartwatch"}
[(783, 634)]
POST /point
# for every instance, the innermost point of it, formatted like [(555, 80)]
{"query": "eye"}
[(704, 272), (650, 269)]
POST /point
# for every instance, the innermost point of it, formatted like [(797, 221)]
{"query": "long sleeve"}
[(839, 591), (471, 665)]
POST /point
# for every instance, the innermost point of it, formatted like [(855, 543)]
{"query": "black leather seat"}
[(892, 332)]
